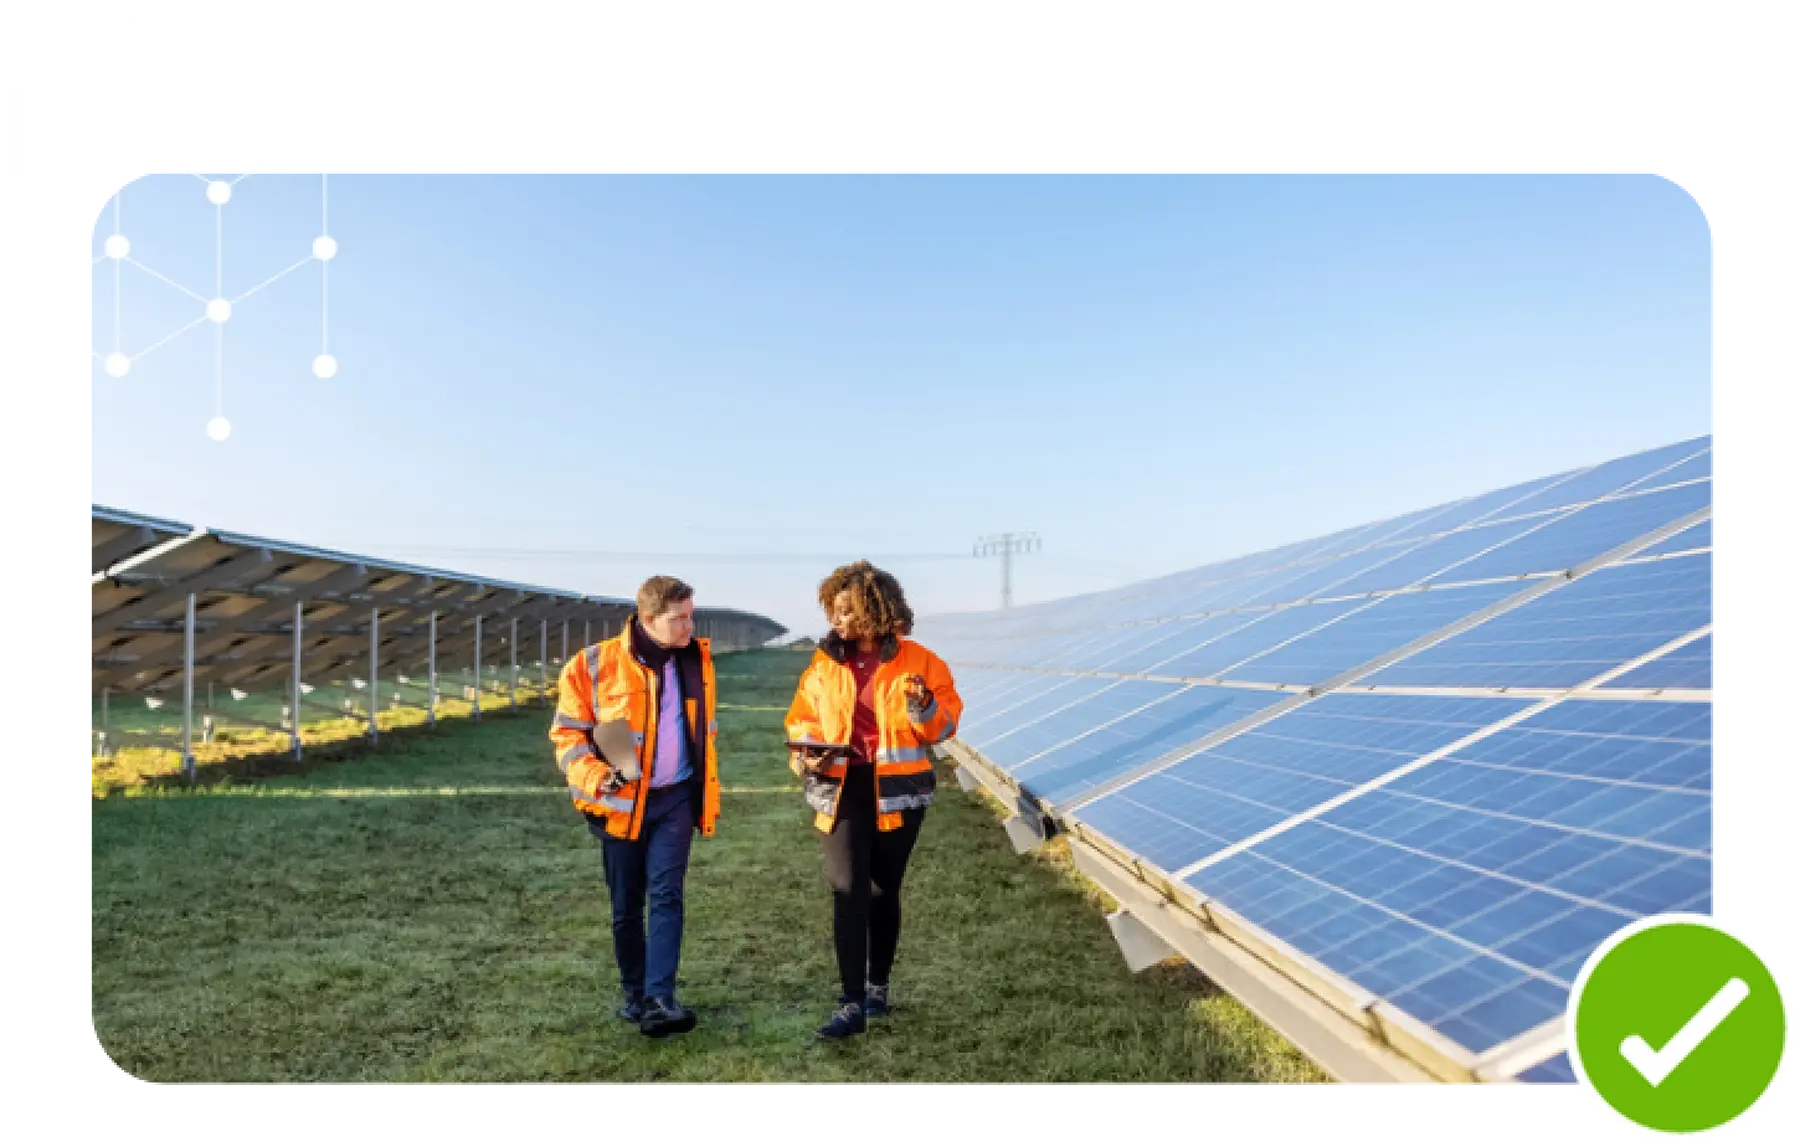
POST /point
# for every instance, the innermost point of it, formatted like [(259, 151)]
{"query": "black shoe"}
[(632, 1010), (847, 1021), (875, 1005), (664, 1017)]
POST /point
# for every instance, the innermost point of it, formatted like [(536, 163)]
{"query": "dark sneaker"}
[(632, 1010), (875, 1005), (664, 1017), (847, 1021)]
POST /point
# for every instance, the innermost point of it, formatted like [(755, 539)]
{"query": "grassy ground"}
[(434, 910)]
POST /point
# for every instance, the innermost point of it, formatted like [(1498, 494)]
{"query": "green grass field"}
[(434, 910)]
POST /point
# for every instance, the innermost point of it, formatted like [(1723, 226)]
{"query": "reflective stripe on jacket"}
[(824, 710), (608, 700)]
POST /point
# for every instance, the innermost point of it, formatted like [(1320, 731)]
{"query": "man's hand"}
[(618, 776), (918, 696)]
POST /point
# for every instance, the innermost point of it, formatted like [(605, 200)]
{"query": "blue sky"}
[(547, 379)]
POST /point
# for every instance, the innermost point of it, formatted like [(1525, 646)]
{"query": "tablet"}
[(820, 747)]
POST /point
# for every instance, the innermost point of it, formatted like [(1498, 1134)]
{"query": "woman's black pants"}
[(865, 867)]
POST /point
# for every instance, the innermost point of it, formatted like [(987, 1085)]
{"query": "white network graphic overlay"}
[(216, 308)]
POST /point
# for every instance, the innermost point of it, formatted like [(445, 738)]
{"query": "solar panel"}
[(1090, 755), (1423, 766), (175, 606), (1565, 637)]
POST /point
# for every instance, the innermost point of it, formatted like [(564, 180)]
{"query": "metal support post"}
[(294, 684), (431, 673), (587, 634), (374, 672), (565, 643), (187, 695), (477, 711), (512, 659), (544, 660)]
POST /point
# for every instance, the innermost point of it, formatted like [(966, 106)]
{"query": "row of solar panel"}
[(1148, 647), (1064, 735), (1560, 639), (1456, 856), (1433, 841), (1509, 534), (1466, 891)]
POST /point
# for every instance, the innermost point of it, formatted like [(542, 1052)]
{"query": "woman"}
[(887, 698)]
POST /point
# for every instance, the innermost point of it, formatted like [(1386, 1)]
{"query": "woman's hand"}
[(812, 760), (918, 695)]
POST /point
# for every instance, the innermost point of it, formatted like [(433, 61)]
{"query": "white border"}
[(111, 91)]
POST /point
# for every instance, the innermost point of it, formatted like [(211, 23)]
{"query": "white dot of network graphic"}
[(216, 308)]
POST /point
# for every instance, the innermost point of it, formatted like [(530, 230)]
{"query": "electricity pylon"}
[(1004, 546)]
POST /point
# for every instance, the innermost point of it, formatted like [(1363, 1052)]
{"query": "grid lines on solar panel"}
[(1494, 503), (1570, 634), (1469, 891), (1260, 633), (1363, 635), (999, 688), (1107, 645), (1156, 644), (1699, 466), (1323, 578), (1013, 648), (1260, 777), (1499, 867), (1045, 693), (1633, 471), (1074, 713), (1475, 994), (1556, 1069), (1429, 560), (1581, 536), (1066, 771), (1695, 537), (1689, 667)]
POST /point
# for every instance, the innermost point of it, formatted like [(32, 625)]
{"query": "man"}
[(636, 739)]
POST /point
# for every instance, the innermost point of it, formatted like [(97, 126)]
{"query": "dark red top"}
[(865, 731)]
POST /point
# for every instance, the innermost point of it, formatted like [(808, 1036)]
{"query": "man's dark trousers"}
[(651, 868)]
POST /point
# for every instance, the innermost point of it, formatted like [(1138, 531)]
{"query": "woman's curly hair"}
[(876, 599)]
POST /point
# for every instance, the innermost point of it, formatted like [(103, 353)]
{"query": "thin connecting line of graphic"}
[(217, 308)]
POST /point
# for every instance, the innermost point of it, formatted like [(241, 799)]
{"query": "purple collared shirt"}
[(672, 755)]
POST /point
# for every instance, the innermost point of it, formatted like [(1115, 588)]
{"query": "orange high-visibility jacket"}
[(606, 685), (824, 709)]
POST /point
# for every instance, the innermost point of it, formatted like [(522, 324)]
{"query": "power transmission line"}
[(1005, 546), (762, 558)]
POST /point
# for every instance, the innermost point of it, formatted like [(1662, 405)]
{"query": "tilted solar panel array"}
[(1440, 756)]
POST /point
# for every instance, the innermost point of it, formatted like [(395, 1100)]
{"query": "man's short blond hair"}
[(659, 593)]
